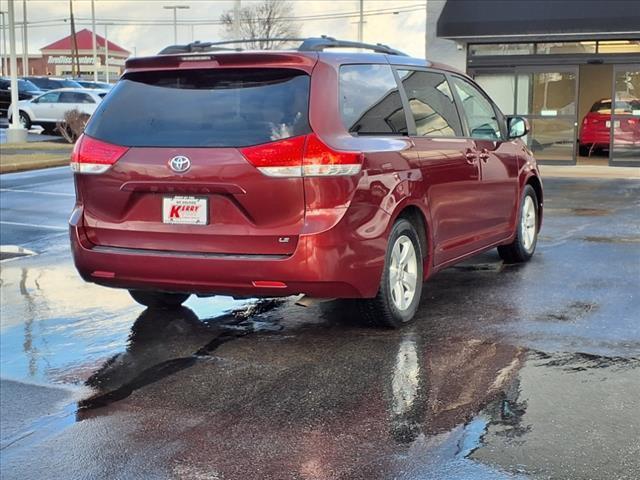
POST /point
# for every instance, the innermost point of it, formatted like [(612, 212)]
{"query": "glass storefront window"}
[(625, 121), (552, 139), (501, 88), (501, 49), (555, 48), (619, 46), (548, 100), (549, 94), (565, 47)]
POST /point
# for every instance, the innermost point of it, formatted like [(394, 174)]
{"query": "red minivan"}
[(274, 173)]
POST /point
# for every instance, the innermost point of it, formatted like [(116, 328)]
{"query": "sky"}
[(403, 31)]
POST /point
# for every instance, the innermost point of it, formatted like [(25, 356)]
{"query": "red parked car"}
[(273, 173), (595, 131)]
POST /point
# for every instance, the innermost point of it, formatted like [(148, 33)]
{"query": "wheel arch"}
[(418, 219), (536, 184)]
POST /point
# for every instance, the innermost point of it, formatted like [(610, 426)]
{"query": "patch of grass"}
[(37, 146), (17, 163)]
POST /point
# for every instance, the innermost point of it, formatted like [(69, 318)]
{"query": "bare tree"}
[(262, 22)]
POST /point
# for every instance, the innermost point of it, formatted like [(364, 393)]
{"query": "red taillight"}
[(302, 156), (321, 160), (278, 159), (94, 156)]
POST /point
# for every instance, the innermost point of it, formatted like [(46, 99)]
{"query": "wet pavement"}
[(529, 371)]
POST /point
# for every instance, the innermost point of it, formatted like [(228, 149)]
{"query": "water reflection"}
[(406, 407)]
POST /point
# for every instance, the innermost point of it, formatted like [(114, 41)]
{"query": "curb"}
[(32, 165)]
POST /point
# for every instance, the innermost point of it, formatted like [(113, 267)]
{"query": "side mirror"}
[(517, 127)]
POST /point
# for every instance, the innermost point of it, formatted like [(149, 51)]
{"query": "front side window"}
[(370, 103), (431, 103), (480, 115)]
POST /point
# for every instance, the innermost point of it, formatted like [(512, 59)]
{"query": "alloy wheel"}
[(403, 272), (528, 224)]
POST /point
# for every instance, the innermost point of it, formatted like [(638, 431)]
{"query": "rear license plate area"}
[(185, 210)]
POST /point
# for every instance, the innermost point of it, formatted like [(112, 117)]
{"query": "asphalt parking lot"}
[(529, 371)]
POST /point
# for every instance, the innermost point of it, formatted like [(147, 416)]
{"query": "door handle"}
[(471, 157), (484, 155)]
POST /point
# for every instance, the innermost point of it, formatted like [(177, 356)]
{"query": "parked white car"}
[(48, 109)]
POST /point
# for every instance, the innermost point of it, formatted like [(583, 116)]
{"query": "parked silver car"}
[(48, 109)]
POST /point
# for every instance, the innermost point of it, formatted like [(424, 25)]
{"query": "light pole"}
[(361, 22), (95, 45), (237, 7), (175, 9), (25, 43), (15, 133), (106, 53), (4, 46)]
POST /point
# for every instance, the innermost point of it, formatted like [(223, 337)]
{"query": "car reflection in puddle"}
[(302, 390)]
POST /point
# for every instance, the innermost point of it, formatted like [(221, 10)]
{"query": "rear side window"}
[(75, 97), (431, 103), (49, 97), (204, 108), (370, 103)]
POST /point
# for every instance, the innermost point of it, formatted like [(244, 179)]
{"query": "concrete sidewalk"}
[(589, 171)]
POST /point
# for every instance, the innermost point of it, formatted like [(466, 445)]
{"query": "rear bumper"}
[(337, 263), (595, 137)]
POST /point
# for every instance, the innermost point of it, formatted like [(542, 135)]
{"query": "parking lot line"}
[(47, 227), (58, 194), (33, 173)]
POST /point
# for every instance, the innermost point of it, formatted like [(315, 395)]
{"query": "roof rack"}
[(311, 44)]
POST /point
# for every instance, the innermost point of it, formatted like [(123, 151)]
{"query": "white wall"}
[(440, 49)]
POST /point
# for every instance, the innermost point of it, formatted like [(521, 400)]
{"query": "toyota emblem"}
[(180, 164)]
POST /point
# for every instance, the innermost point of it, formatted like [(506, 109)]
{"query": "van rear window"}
[(204, 108)]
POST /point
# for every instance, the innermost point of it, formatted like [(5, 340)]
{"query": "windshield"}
[(66, 83), (206, 108)]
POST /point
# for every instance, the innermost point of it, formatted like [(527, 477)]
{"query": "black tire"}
[(517, 252), (583, 150), (164, 300), (25, 120), (50, 131), (381, 310)]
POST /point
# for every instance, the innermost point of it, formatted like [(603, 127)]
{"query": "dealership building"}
[(552, 62), (56, 58)]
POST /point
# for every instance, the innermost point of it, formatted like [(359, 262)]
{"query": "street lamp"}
[(25, 43), (5, 71), (175, 9), (15, 132), (93, 39)]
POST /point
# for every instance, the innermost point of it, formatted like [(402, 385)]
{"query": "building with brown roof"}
[(56, 58)]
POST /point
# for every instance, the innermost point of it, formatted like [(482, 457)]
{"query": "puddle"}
[(591, 212), (43, 427), (12, 252), (577, 362), (174, 340), (572, 312), (479, 267), (612, 239), (562, 406), (580, 212)]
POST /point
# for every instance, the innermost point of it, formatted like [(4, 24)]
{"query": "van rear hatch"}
[(163, 164)]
